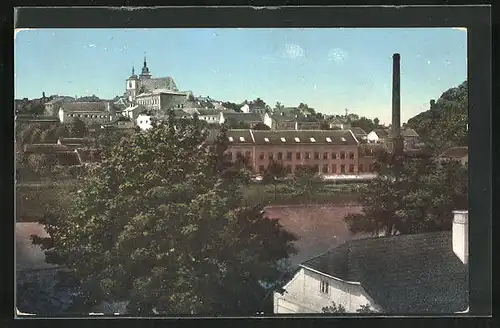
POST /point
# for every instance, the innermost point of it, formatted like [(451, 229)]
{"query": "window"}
[(261, 168), (288, 155), (325, 155), (313, 140), (351, 168), (342, 155), (342, 168), (280, 156), (283, 140), (248, 154), (325, 168), (288, 169), (238, 154), (334, 155), (360, 169), (297, 155), (266, 139), (270, 156), (242, 139), (297, 139), (334, 168), (261, 156), (316, 168), (230, 155), (343, 139), (316, 155), (328, 139), (351, 155), (323, 286), (230, 139), (370, 168), (308, 155)]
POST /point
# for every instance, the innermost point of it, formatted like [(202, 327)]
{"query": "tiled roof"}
[(456, 152), (208, 111), (409, 133), (167, 83), (402, 274), (85, 106), (44, 148), (240, 137), (68, 158), (287, 137), (381, 133), (243, 117)]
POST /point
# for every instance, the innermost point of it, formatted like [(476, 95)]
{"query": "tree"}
[(62, 131), (334, 308), (305, 181), (278, 107), (365, 123), (444, 125), (414, 196), (40, 163), (233, 106), (48, 135), (305, 110), (233, 124), (78, 129), (274, 173), (376, 122), (153, 227)]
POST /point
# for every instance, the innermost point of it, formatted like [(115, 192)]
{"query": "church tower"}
[(132, 86), (145, 74)]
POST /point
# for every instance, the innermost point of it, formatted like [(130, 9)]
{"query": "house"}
[(410, 137), (359, 133), (420, 273), (161, 99), (88, 112), (460, 154), (211, 116), (288, 119), (338, 123), (133, 111), (251, 119), (377, 136), (52, 106)]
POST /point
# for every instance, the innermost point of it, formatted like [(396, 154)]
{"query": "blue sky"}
[(329, 69)]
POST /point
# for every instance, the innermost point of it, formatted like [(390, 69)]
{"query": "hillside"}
[(445, 123)]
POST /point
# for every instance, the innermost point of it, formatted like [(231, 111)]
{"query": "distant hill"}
[(445, 123)]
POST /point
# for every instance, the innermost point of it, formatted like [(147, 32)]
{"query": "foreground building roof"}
[(402, 274)]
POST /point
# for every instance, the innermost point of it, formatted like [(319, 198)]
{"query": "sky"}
[(330, 69)]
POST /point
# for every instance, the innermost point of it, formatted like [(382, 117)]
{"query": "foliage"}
[(260, 126), (365, 123), (231, 105), (31, 107), (334, 308), (365, 309), (233, 124), (413, 196), (305, 181), (40, 163), (376, 122), (274, 172), (278, 107), (162, 231), (78, 129), (444, 125), (305, 110)]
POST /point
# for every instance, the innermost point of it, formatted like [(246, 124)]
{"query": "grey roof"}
[(358, 131), (242, 117), (381, 133), (403, 274), (209, 111), (67, 158), (304, 137), (44, 148), (79, 141), (159, 83), (408, 132), (234, 136), (85, 106), (455, 152)]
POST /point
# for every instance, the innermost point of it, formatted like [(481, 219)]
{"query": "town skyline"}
[(286, 65)]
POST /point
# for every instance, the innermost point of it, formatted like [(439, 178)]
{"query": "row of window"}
[(325, 168), (87, 115), (153, 101), (308, 155)]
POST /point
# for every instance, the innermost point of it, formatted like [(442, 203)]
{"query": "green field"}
[(34, 198)]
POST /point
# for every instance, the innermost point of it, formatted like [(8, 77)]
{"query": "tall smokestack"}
[(396, 96)]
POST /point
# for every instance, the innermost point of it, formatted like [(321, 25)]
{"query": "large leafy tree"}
[(411, 195), (445, 123), (274, 173), (161, 223), (78, 129), (306, 181), (365, 123)]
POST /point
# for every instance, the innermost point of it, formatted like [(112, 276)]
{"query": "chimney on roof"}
[(460, 235)]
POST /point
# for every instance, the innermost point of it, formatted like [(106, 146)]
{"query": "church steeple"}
[(145, 70)]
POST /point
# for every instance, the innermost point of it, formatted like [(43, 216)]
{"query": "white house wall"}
[(304, 296), (372, 137)]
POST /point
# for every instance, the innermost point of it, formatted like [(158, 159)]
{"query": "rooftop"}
[(403, 274), (455, 152), (85, 106)]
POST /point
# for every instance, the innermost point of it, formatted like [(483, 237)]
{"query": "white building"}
[(377, 136), (421, 273)]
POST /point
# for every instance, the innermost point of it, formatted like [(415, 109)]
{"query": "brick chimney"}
[(397, 142), (460, 233)]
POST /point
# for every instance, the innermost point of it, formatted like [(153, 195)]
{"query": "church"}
[(155, 94)]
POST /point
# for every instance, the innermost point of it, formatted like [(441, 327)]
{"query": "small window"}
[(288, 169), (242, 139), (334, 168), (270, 156), (261, 156), (297, 155), (308, 155), (325, 155), (351, 168), (248, 154), (289, 155), (325, 168), (324, 287), (343, 139), (297, 139), (370, 168), (334, 155), (238, 154), (231, 139), (283, 140), (342, 168), (316, 155), (280, 156), (266, 139), (328, 139), (316, 167), (261, 168), (342, 155), (313, 140), (360, 169), (351, 155)]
